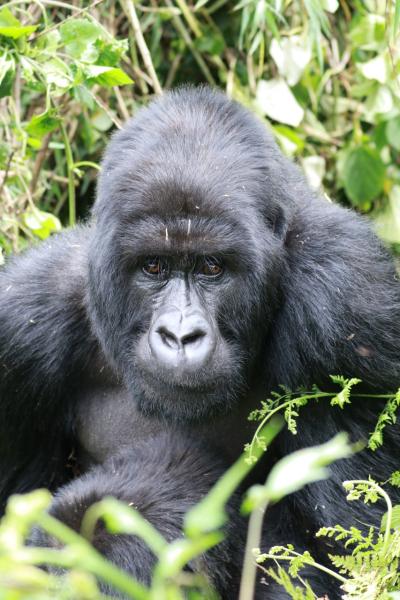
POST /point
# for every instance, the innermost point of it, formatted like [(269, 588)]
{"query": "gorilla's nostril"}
[(168, 338), (191, 338)]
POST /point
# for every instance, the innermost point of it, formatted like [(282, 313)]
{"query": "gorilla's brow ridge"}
[(193, 235)]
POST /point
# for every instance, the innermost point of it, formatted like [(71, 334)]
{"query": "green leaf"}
[(376, 69), (79, 37), (11, 27), (297, 470), (42, 124), (7, 76), (107, 76), (343, 397), (387, 219), (393, 132), (41, 223), (57, 73), (395, 518), (210, 42), (363, 175), (275, 99), (369, 32), (291, 56)]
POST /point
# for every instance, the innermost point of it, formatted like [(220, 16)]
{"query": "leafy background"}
[(324, 75)]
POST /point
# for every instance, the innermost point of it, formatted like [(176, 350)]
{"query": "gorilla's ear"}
[(277, 220), (341, 301)]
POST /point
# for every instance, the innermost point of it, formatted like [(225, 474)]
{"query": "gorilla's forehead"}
[(181, 213), (188, 235)]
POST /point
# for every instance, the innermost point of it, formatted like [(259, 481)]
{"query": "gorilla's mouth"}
[(187, 401)]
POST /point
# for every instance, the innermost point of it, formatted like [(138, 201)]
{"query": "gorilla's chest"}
[(108, 420)]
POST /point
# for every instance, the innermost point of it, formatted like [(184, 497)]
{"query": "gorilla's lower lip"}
[(168, 387)]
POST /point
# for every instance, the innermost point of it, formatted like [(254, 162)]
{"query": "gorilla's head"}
[(188, 250)]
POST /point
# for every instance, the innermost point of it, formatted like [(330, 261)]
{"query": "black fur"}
[(162, 477), (308, 291)]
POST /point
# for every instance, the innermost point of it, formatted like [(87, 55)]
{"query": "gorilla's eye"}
[(155, 266), (211, 267)]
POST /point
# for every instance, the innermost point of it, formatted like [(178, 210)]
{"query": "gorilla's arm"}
[(341, 311), (45, 342), (162, 477), (341, 315)]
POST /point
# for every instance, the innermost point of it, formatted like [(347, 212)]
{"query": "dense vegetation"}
[(325, 77)]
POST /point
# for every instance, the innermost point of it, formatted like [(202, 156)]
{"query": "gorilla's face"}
[(184, 265)]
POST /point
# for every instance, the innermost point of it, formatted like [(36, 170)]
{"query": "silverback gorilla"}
[(208, 274)]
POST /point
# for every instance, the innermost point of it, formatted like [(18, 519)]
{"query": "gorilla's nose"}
[(181, 339)]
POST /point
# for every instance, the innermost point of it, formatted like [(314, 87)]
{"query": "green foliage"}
[(295, 471), (369, 570), (323, 75), (387, 416), (289, 403)]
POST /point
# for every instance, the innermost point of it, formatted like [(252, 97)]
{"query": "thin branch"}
[(121, 103), (69, 7), (40, 157), (6, 172), (181, 29), (130, 11)]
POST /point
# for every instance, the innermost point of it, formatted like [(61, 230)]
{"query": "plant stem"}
[(70, 174), (312, 563), (181, 29), (129, 9), (248, 579), (81, 554), (385, 496)]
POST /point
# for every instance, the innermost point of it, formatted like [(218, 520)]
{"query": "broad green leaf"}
[(34, 143), (108, 76), (41, 223), (57, 73), (275, 99), (7, 75), (369, 32), (210, 42), (376, 68), (11, 27), (101, 121), (363, 175), (79, 37), (393, 132), (49, 41), (42, 124), (330, 5), (387, 220), (296, 470), (291, 56), (380, 102), (111, 52), (395, 518), (83, 96), (314, 169), (288, 139)]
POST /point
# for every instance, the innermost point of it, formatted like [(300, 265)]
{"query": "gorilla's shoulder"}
[(43, 321)]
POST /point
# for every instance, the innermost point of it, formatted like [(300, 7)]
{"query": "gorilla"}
[(208, 274)]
